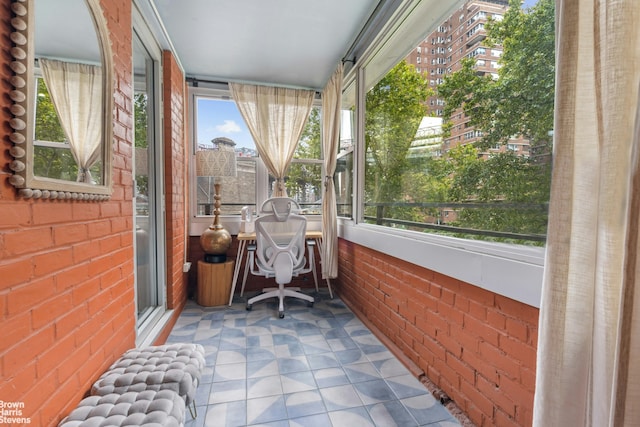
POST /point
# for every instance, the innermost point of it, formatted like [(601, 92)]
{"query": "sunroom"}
[(511, 307)]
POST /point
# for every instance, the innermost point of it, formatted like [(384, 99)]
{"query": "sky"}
[(218, 118)]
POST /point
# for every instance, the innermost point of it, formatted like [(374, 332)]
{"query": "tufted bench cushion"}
[(176, 367), (149, 408)]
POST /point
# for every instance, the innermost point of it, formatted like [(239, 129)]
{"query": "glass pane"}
[(218, 120), (343, 177), (304, 185), (146, 285), (52, 152), (343, 180), (310, 145), (457, 135), (235, 192)]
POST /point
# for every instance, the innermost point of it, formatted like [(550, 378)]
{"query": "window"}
[(343, 177), (52, 153), (217, 120), (412, 192), (148, 203)]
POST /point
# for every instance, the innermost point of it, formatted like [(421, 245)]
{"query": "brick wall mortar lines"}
[(473, 341), (52, 362)]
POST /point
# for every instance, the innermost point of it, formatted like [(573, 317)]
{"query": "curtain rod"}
[(194, 81)]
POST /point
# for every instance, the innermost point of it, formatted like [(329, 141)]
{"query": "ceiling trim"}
[(149, 12)]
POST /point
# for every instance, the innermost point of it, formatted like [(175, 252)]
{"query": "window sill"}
[(232, 223), (513, 271)]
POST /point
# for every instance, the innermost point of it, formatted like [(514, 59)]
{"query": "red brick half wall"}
[(478, 347)]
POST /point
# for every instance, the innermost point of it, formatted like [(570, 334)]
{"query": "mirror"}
[(62, 121)]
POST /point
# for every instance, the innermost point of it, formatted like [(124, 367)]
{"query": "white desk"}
[(245, 238)]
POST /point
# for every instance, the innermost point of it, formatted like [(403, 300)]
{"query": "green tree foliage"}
[(500, 182), (140, 114), (521, 100), (51, 162), (304, 180), (394, 108)]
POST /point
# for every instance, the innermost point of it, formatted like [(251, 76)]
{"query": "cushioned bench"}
[(176, 367), (148, 387), (149, 408)]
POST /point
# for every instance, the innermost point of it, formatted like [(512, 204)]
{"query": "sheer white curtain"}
[(76, 93), (331, 105), (275, 117), (588, 365)]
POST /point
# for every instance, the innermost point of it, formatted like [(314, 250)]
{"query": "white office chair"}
[(280, 251)]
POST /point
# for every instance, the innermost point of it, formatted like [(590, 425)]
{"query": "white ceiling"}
[(281, 42), (295, 43)]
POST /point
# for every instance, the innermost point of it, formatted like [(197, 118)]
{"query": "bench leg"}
[(192, 409)]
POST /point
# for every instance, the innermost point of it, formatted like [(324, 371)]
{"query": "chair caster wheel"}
[(249, 307), (310, 304), (281, 314)]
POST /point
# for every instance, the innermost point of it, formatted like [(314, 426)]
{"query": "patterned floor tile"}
[(266, 409), (317, 346), (348, 357), (228, 391), (359, 372), (260, 341), (232, 414), (391, 414), (262, 368), (230, 371), (318, 420), (324, 360), (231, 356), (390, 368), (375, 391), (426, 409), (351, 417), (305, 403), (261, 353), (340, 397), (265, 386), (298, 381), (292, 364), (318, 366), (406, 386), (330, 377)]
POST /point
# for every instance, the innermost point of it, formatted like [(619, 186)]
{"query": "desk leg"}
[(247, 267), (236, 270)]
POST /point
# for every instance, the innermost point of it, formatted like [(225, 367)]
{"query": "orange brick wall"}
[(67, 306), (175, 168), (477, 346)]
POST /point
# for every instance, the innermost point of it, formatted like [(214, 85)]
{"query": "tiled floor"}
[(318, 366)]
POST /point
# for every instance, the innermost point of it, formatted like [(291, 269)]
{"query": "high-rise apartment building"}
[(462, 35)]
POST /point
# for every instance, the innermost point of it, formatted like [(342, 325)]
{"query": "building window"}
[(217, 120)]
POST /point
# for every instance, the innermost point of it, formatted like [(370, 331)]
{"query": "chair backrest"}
[(280, 241), (279, 205)]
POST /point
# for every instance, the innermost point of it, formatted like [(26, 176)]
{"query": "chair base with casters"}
[(280, 292), (279, 253)]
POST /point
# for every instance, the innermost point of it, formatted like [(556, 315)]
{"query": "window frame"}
[(514, 271), (199, 223)]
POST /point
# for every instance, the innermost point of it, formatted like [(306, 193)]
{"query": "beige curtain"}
[(331, 107), (588, 366), (275, 117), (76, 93)]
